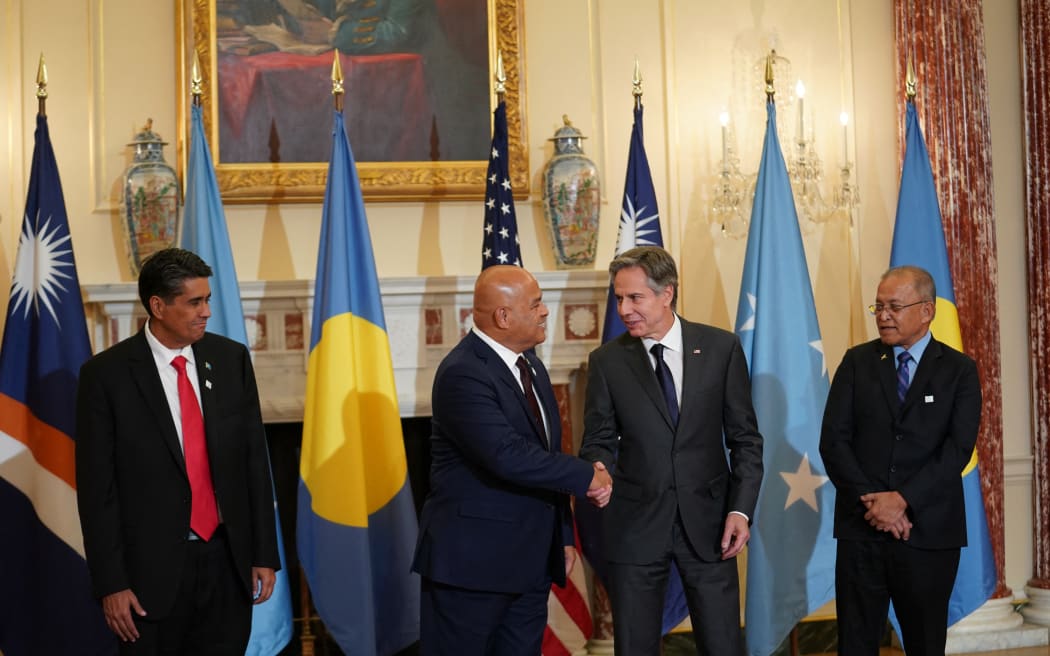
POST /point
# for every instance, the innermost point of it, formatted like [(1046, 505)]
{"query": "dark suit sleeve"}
[(264, 530), (470, 413), (97, 498), (949, 460), (837, 433), (601, 435), (742, 438)]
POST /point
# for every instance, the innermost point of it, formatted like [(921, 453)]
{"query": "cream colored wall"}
[(112, 65)]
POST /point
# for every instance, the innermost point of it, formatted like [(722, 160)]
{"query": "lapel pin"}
[(207, 365), (928, 398), (883, 357), (207, 383), (696, 351)]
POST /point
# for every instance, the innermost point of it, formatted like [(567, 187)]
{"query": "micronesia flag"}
[(46, 603), (639, 226), (499, 244), (791, 555), (918, 239), (356, 522), (204, 232)]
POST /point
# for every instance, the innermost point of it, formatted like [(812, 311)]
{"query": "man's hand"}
[(735, 536), (263, 579), (886, 512), (600, 490), (570, 559), (117, 608)]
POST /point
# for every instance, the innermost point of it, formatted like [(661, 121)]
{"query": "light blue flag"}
[(918, 239), (791, 555), (356, 522), (204, 232)]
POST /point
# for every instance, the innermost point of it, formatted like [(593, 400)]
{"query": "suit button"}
[(899, 437), (893, 470)]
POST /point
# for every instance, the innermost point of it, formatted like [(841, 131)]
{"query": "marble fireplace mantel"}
[(425, 317)]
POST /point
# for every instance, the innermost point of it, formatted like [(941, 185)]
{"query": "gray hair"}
[(658, 265), (920, 278)]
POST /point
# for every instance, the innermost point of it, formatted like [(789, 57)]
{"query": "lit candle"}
[(800, 93), (724, 119), (844, 119)]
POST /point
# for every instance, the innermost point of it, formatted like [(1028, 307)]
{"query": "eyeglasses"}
[(892, 308)]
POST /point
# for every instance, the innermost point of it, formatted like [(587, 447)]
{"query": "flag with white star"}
[(499, 244), (46, 602), (791, 555)]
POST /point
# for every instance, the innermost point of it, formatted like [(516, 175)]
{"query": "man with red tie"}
[(173, 484)]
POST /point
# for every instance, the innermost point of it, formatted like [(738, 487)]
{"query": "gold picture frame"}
[(268, 182)]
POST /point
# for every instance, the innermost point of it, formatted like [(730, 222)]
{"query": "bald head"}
[(509, 308)]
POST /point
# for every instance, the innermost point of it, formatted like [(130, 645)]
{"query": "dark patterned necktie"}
[(903, 379), (663, 376), (525, 372)]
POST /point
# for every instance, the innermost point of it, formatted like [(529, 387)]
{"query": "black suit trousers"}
[(871, 574), (712, 590)]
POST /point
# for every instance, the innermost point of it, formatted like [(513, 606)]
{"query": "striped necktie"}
[(903, 378)]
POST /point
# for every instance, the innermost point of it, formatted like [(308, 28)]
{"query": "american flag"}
[(500, 243)]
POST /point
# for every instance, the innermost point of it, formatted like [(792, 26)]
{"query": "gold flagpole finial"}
[(770, 89), (637, 82), (910, 81), (337, 82), (196, 80), (500, 87), (41, 86)]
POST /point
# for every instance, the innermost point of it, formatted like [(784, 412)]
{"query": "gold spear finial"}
[(41, 86), (770, 89), (637, 82), (500, 87), (337, 82), (910, 81), (196, 80)]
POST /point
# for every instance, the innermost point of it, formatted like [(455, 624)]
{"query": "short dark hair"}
[(164, 273), (657, 263), (921, 280)]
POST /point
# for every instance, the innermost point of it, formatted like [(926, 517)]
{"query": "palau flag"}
[(356, 522), (46, 603), (791, 555), (203, 231), (918, 239), (639, 226)]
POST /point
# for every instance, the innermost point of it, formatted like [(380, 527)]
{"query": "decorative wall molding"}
[(425, 317)]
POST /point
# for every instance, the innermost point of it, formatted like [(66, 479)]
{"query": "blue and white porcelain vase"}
[(150, 200), (572, 200)]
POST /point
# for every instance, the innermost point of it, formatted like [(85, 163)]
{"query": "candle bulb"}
[(800, 92), (724, 119), (844, 119)]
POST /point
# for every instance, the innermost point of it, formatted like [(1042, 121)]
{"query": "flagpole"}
[(637, 81), (770, 89), (41, 87), (337, 82), (911, 83), (196, 80), (500, 86)]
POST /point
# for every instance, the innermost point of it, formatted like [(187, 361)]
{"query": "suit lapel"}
[(692, 369), (503, 374), (204, 383), (922, 374), (545, 394), (639, 363), (144, 372), (887, 368)]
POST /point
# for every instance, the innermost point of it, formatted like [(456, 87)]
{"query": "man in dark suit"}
[(173, 483), (900, 425), (496, 527), (665, 401)]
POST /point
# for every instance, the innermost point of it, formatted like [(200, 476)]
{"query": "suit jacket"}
[(870, 442), (497, 516), (132, 488), (660, 468)]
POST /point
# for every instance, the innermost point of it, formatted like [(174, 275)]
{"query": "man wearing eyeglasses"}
[(900, 425)]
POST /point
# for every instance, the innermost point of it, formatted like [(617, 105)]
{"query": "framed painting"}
[(418, 80)]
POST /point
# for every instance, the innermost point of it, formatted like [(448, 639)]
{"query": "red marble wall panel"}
[(945, 41), (1035, 40)]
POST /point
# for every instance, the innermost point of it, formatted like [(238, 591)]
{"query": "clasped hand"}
[(600, 490), (886, 512)]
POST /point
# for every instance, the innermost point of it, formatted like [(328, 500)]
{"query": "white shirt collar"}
[(672, 340)]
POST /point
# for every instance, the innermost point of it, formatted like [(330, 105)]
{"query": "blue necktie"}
[(903, 379), (663, 376)]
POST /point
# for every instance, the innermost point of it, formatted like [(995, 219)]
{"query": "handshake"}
[(600, 490)]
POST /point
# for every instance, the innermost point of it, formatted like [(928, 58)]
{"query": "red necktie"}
[(204, 515)]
